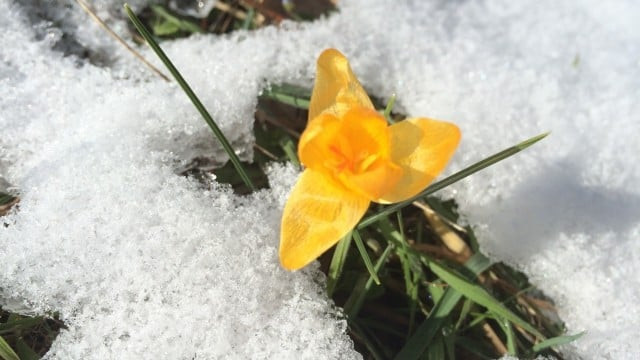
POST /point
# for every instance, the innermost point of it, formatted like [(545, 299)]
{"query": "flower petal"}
[(422, 147), (318, 213), (336, 88), (314, 141)]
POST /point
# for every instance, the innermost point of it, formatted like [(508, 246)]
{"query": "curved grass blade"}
[(289, 94), (387, 110), (192, 96), (479, 295), (418, 343), (181, 24), (365, 256), (454, 178), (337, 263), (555, 341), (6, 352), (248, 21)]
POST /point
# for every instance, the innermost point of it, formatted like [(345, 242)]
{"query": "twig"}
[(495, 340), (266, 152), (450, 239), (106, 27)]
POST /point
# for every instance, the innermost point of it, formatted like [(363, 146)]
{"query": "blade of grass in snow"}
[(181, 24), (436, 350), (416, 345), (402, 254), (411, 279), (248, 21), (555, 341), (194, 99), (6, 353), (411, 269), (24, 351), (478, 295), (5, 198), (365, 256), (388, 108), (453, 178), (19, 324), (466, 307), (337, 263), (353, 304), (505, 325), (83, 4), (422, 338), (289, 148), (289, 94)]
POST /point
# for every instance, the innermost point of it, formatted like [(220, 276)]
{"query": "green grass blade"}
[(184, 25), (466, 308), (354, 303), (511, 337), (555, 341), (24, 351), (337, 263), (436, 350), (6, 353), (5, 198), (423, 336), (477, 294), (289, 148), (388, 108), (192, 96), (365, 256), (402, 254), (19, 324), (289, 94), (453, 178), (411, 278), (248, 21)]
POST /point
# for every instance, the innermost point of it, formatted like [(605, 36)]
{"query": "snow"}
[(139, 260)]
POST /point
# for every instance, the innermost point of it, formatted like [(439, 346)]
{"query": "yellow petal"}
[(318, 213), (336, 88), (422, 147), (313, 144)]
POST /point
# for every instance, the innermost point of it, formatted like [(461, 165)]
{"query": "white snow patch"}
[(139, 260)]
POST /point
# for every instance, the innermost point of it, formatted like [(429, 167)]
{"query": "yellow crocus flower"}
[(352, 157)]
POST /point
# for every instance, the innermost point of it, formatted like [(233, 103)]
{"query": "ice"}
[(141, 261)]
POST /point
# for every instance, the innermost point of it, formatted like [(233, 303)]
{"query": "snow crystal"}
[(139, 260)]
